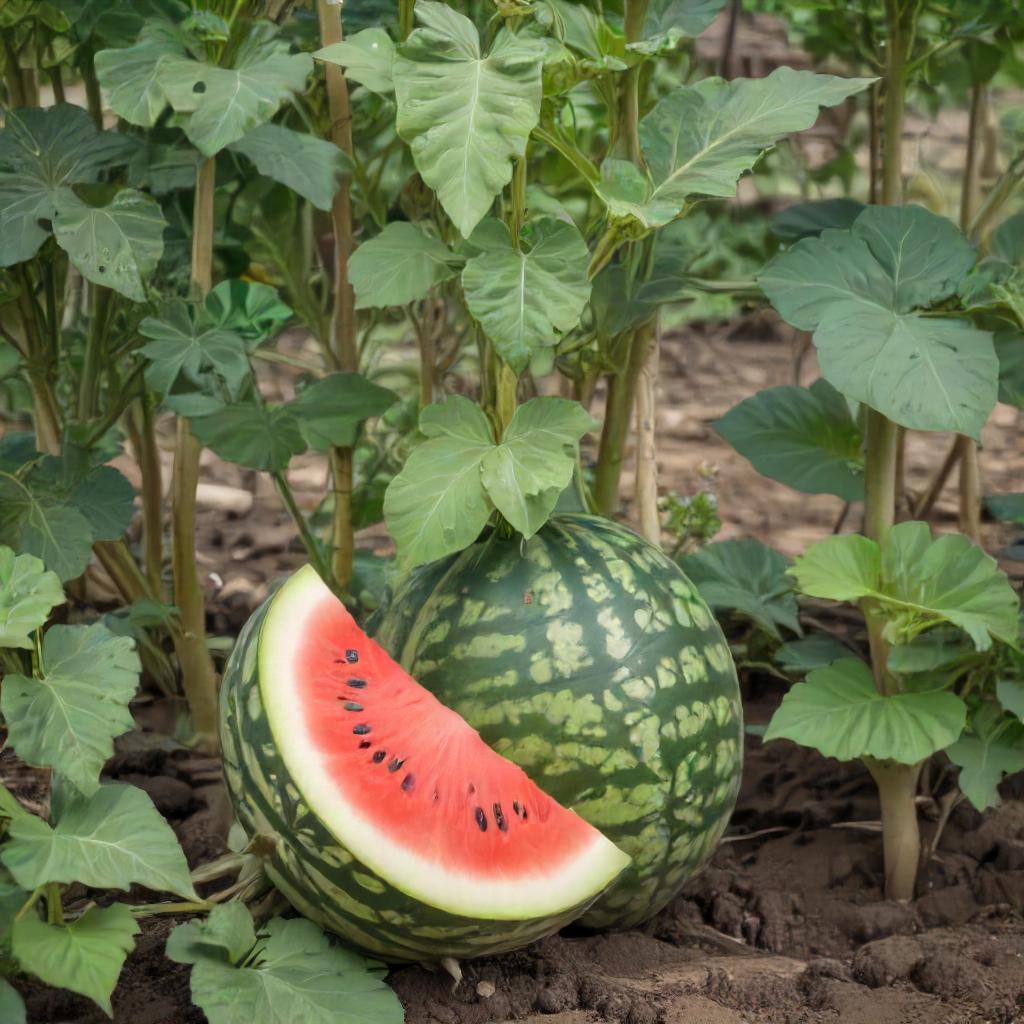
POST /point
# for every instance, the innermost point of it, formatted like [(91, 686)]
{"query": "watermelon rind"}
[(587, 657), (311, 862)]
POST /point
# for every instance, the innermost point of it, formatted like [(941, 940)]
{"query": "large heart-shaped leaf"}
[(257, 435), (367, 58), (748, 577), (525, 298), (839, 712), (525, 474), (992, 748), (291, 972), (84, 956), (437, 503), (399, 266), (465, 115), (1010, 352), (310, 166), (118, 245), (42, 152), (699, 139), (68, 717), (668, 22), (331, 411), (114, 839), (858, 291), (802, 437), (919, 578), (28, 593)]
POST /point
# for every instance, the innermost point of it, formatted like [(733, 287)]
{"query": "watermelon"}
[(391, 822), (586, 656)]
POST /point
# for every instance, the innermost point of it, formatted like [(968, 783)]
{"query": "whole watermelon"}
[(586, 656)]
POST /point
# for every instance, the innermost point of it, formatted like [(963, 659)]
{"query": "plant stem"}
[(897, 790), (896, 786), (309, 542), (1002, 191), (93, 96), (406, 18), (54, 909), (143, 437), (425, 342), (344, 324), (100, 300), (198, 676), (970, 467), (505, 400), (646, 439), (190, 907)]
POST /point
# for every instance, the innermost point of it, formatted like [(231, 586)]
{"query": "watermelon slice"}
[(403, 787)]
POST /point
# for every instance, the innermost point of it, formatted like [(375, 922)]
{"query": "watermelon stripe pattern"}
[(315, 872), (587, 657)]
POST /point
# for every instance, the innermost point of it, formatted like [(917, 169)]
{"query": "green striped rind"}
[(317, 875), (588, 658)]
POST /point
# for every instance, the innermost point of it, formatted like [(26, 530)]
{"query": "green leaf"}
[(527, 298), (993, 747), (1007, 508), (111, 840), (940, 648), (1008, 240), (839, 712), (45, 527), (181, 346), (819, 650), (803, 220), (437, 503), (42, 152), (699, 139), (84, 956), (292, 974), (310, 166), (1010, 352), (856, 290), (227, 934), (466, 116), (118, 245), (669, 22), (748, 577), (1010, 693), (12, 1009), (367, 58), (249, 309), (224, 104), (802, 437), (257, 435), (67, 718), (131, 76), (399, 266), (28, 593), (525, 474), (331, 411), (918, 578)]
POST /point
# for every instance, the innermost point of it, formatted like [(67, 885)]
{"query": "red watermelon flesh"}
[(404, 783)]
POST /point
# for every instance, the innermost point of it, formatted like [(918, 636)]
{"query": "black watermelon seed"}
[(357, 684), (408, 782), (364, 744), (525, 815), (395, 763), (379, 756), (515, 806), (351, 656), (472, 789), (499, 818), (351, 705), (361, 729), (481, 819)]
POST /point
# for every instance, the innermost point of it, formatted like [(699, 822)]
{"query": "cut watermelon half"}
[(405, 784)]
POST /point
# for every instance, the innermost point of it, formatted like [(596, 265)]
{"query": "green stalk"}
[(198, 676), (406, 18), (302, 525), (897, 784), (505, 400), (93, 96), (1001, 193), (143, 438), (344, 326), (100, 302), (970, 467)]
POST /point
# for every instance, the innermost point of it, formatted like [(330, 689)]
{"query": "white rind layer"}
[(539, 894)]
